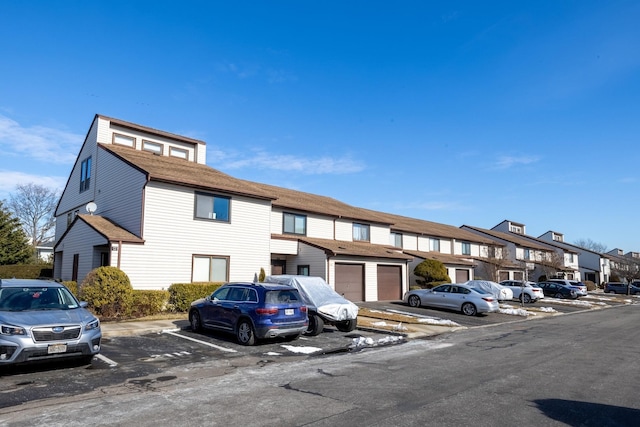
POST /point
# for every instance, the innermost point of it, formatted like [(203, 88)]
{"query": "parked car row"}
[(282, 306), (632, 288)]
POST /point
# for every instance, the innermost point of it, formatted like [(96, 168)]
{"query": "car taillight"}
[(488, 299), (267, 311), (303, 309)]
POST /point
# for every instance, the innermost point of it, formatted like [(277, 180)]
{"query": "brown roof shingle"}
[(109, 229), (182, 172)]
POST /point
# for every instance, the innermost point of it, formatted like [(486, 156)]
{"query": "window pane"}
[(289, 221), (204, 206), (201, 269), (300, 225), (221, 208), (219, 270)]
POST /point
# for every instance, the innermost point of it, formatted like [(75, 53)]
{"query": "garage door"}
[(350, 281), (462, 276), (389, 282)]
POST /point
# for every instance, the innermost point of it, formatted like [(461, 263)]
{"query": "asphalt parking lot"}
[(134, 357)]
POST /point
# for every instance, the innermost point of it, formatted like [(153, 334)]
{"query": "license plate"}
[(57, 348), (288, 311)]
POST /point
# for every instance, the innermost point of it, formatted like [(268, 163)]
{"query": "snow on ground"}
[(429, 320), (509, 309), (303, 350), (370, 342), (382, 323)]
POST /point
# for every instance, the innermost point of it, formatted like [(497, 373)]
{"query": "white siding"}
[(409, 242), (119, 193), (344, 230), (172, 236), (379, 234), (315, 258), (80, 240), (320, 227), (446, 246), (287, 247)]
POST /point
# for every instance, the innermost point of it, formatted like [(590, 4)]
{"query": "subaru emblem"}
[(57, 329)]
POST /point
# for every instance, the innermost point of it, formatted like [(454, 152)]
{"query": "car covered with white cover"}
[(325, 305), (501, 293)]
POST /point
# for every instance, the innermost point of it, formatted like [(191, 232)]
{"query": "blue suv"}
[(251, 311)]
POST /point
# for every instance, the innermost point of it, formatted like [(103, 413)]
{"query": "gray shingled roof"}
[(513, 238)]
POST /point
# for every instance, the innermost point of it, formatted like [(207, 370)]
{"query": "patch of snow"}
[(272, 353), (397, 327), (438, 322), (369, 342), (546, 309), (303, 350), (516, 312)]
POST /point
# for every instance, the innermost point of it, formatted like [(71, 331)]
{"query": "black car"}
[(622, 288), (251, 311), (557, 290)]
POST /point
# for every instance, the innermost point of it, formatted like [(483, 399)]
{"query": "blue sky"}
[(459, 112)]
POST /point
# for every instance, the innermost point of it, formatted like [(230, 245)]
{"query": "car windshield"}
[(36, 298), (285, 296)]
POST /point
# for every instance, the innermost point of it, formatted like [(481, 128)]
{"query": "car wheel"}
[(316, 325), (558, 295), (347, 325), (414, 300), (469, 309), (245, 334), (525, 297), (194, 320)]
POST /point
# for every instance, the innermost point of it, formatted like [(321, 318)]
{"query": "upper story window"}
[(154, 147), (129, 141), (466, 248), (179, 152), (209, 206), (434, 245), (361, 232), (515, 229), (527, 254), (395, 240), (85, 174), (294, 223)]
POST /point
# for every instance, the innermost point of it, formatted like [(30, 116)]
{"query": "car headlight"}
[(12, 330), (94, 324)]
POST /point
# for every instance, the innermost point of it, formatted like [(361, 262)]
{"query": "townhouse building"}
[(531, 258)]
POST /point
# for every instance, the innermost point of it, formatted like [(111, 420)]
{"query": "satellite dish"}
[(91, 207)]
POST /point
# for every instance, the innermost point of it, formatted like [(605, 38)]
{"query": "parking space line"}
[(106, 360), (228, 350)]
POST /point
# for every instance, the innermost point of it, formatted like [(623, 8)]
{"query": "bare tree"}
[(551, 263), (591, 245), (34, 205), (495, 261)]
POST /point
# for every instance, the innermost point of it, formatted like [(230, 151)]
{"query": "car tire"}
[(558, 295), (316, 325), (525, 298), (414, 300), (347, 325), (195, 321), (469, 309), (245, 333)]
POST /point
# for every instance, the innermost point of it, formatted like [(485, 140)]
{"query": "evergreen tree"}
[(14, 248)]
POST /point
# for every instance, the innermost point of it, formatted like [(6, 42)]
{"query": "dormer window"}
[(178, 152), (126, 140), (154, 147), (85, 174), (515, 229)]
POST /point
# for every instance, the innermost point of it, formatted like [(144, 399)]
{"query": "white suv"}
[(527, 293), (576, 285)]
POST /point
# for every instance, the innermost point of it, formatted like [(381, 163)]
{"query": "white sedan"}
[(527, 293)]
